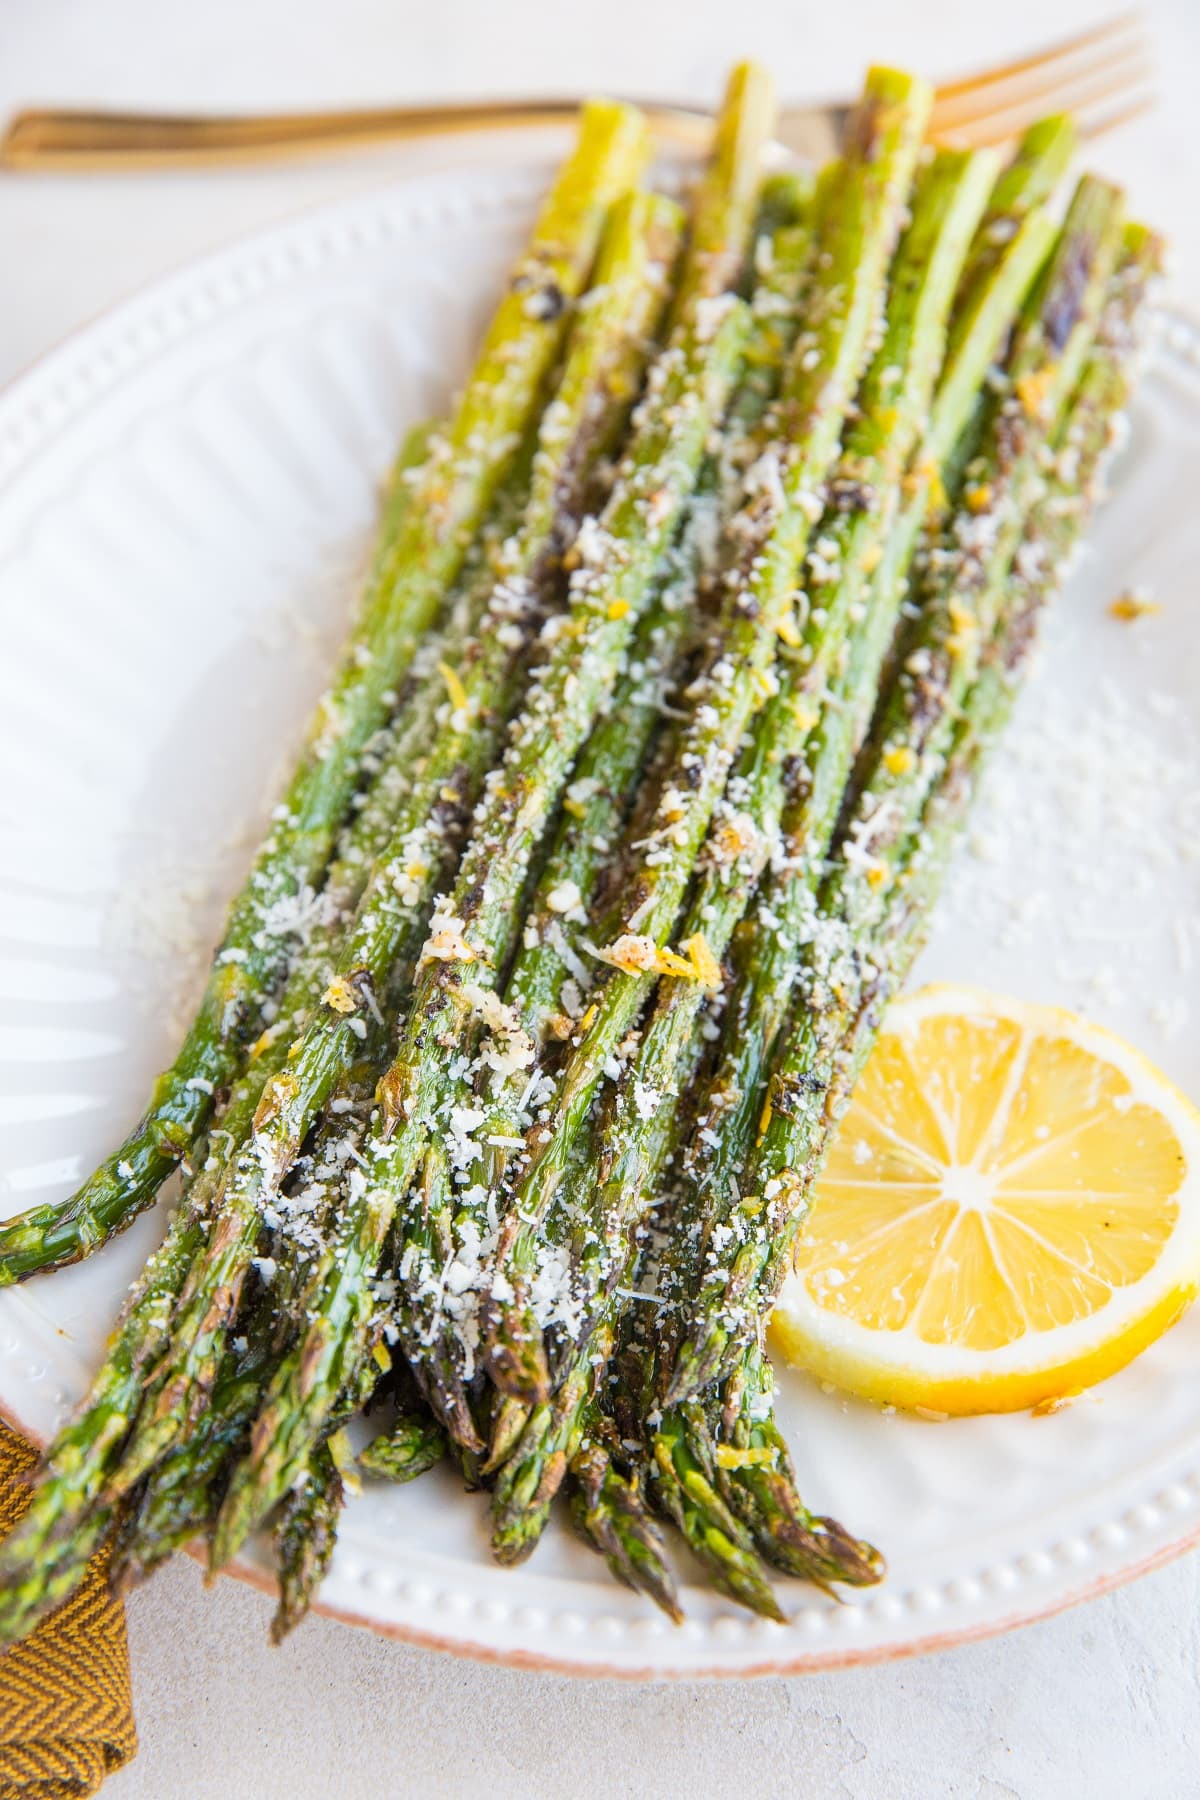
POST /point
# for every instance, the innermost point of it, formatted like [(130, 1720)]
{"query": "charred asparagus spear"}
[(617, 754), (965, 589), (768, 946), (88, 1447), (972, 344), (466, 466), (1012, 242), (618, 551), (750, 1457), (597, 386), (858, 219), (474, 929), (891, 406), (471, 932), (814, 1546), (891, 403)]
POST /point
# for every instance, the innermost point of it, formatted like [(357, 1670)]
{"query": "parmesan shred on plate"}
[(1084, 847)]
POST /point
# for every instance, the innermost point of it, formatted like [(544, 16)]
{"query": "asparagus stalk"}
[(714, 263), (944, 216), (306, 1524), (183, 1492), (1049, 537), (1012, 243), (756, 1479), (603, 782), (401, 759), (72, 1507), (414, 1443), (570, 1431), (891, 403), (726, 197), (168, 1521), (617, 753), (858, 218), (1010, 247), (686, 1487), (753, 1486), (765, 1497), (690, 389), (91, 1444), (465, 470), (1074, 487), (472, 932), (553, 1434), (548, 960), (178, 1497), (363, 837), (292, 1071), (73, 1503), (305, 1536), (1040, 164), (597, 386), (1014, 240), (45, 1558), (784, 201), (607, 1511), (608, 1507), (965, 589), (346, 876), (720, 230)]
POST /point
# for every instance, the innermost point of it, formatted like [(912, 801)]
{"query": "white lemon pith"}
[(1010, 1211)]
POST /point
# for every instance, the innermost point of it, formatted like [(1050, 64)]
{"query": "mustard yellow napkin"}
[(66, 1713)]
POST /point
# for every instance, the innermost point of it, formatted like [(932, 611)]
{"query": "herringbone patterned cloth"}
[(66, 1715)]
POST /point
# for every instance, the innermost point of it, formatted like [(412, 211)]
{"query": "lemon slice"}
[(1009, 1213)]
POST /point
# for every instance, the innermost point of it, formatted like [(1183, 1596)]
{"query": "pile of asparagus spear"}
[(687, 633)]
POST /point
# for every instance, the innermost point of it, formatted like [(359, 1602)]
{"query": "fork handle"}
[(54, 138)]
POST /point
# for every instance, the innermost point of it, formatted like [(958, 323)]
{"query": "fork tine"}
[(1095, 125), (1048, 82), (1063, 51), (1000, 124)]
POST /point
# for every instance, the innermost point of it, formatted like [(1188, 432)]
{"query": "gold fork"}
[(1101, 76)]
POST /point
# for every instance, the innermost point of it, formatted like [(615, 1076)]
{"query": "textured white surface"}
[(1104, 1699)]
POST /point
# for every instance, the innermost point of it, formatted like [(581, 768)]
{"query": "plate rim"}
[(815, 1662), (470, 186)]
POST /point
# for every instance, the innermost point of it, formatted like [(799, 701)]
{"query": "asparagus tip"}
[(509, 1421), (518, 1368), (608, 1511)]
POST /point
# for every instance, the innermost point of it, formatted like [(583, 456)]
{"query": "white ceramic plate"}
[(186, 491)]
